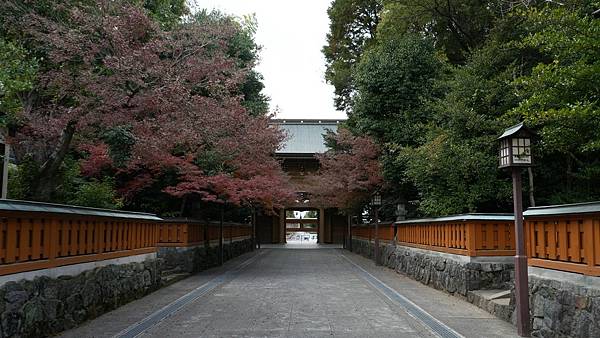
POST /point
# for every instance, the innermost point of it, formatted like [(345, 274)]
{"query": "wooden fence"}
[(561, 237), (469, 235), (39, 236), (564, 237), (183, 232), (367, 231), (36, 236)]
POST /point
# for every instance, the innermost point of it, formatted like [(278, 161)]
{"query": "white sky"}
[(291, 34)]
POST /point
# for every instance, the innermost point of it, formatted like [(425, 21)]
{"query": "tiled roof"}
[(305, 136)]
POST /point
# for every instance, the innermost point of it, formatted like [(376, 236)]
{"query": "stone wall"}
[(447, 272), (45, 306), (197, 258), (563, 304)]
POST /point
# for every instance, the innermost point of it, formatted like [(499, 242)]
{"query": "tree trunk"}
[(45, 183), (183, 203), (531, 191)]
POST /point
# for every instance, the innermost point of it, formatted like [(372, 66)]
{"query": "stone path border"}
[(436, 327), (140, 327)]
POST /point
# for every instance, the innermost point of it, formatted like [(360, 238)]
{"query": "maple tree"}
[(350, 171), (140, 101)]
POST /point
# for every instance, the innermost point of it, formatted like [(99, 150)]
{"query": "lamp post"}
[(375, 204), (515, 153)]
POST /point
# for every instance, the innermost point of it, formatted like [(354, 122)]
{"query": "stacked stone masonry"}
[(563, 308), (46, 306), (439, 270), (558, 306)]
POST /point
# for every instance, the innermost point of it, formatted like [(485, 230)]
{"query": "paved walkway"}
[(297, 293)]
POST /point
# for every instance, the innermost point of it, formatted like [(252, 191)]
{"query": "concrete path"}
[(297, 293)]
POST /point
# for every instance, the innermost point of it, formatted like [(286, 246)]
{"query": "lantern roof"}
[(516, 130)]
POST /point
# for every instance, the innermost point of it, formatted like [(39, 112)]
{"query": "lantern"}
[(376, 200), (515, 147), (515, 153)]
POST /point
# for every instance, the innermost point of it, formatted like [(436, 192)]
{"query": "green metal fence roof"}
[(28, 206), (564, 209), (462, 218)]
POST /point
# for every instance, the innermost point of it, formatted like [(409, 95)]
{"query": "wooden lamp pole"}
[(515, 153)]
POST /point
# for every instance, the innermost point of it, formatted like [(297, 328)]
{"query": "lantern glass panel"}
[(376, 200), (521, 150), (504, 153)]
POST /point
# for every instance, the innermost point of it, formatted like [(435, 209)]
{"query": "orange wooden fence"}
[(468, 235), (564, 237), (183, 232), (38, 236), (180, 232), (367, 231), (471, 235)]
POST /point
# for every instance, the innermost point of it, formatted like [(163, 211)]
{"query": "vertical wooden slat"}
[(596, 232), (110, 236), (46, 226), (3, 232), (63, 227), (170, 233), (575, 245), (73, 250), (11, 240), (122, 233), (471, 247), (589, 242), (150, 228), (563, 244), (99, 235), (36, 239), (582, 242), (456, 234), (125, 245), (53, 238), (186, 234), (552, 249), (133, 234), (463, 236), (92, 233), (106, 236), (122, 242), (447, 237), (138, 234), (119, 237), (83, 238), (3, 227), (501, 228), (144, 228), (489, 236), (24, 248), (531, 247)]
